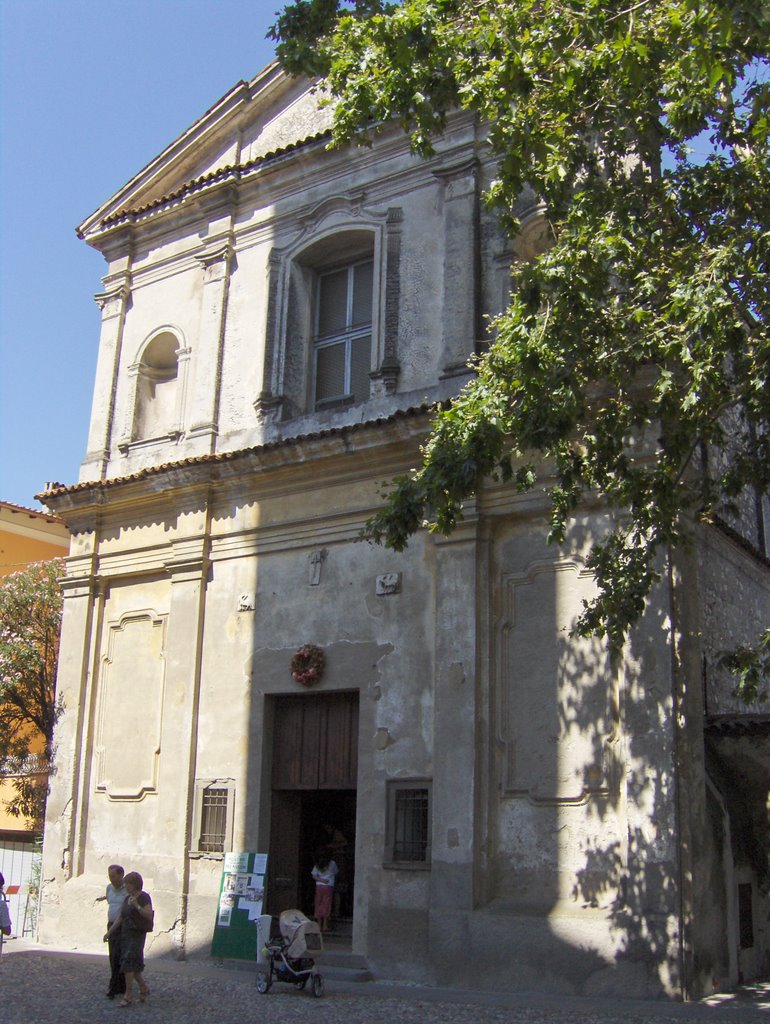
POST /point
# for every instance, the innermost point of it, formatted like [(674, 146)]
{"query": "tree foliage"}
[(633, 360), (30, 620)]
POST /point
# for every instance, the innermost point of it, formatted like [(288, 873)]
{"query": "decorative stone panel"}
[(130, 706)]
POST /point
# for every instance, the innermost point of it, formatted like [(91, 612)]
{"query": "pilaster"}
[(61, 851), (386, 376), (268, 403), (189, 569), (461, 265), (114, 303), (454, 721), (215, 262)]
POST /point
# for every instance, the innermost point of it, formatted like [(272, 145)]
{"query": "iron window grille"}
[(213, 821), (409, 824)]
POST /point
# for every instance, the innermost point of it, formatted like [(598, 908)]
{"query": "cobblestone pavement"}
[(39, 986)]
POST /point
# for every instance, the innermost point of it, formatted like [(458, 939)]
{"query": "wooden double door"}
[(313, 800)]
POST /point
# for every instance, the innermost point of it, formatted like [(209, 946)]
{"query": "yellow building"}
[(26, 536)]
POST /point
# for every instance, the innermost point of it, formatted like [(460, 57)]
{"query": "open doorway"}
[(328, 821), (314, 771)]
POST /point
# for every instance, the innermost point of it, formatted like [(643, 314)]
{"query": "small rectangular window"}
[(332, 303), (363, 279), (409, 824), (330, 372), (213, 821), (343, 337), (360, 364)]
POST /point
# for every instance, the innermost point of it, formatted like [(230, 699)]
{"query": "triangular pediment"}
[(256, 118)]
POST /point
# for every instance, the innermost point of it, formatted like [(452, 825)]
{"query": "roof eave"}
[(403, 425), (218, 115)]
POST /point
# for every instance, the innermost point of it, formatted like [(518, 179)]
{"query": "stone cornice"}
[(225, 111), (229, 175), (156, 483), (237, 175)]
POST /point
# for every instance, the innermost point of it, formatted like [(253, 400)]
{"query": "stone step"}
[(338, 972), (339, 965), (343, 958), (344, 965), (337, 962)]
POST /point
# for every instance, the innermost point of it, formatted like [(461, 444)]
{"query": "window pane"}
[(330, 372), (360, 360), (213, 821), (332, 302), (410, 842), (363, 275)]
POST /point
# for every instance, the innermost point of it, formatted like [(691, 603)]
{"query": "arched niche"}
[(156, 382)]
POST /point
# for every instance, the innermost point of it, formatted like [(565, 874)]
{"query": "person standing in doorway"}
[(115, 894), (337, 845), (324, 873)]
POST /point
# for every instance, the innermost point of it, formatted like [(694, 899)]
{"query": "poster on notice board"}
[(241, 894)]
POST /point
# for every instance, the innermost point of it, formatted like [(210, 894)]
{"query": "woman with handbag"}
[(135, 920), (114, 897)]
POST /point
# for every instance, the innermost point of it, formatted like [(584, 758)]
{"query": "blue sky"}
[(90, 92)]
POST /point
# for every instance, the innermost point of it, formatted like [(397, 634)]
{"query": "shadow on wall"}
[(582, 798), (633, 875), (587, 819)]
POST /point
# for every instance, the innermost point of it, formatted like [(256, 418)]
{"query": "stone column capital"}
[(215, 261), (112, 302), (459, 179)]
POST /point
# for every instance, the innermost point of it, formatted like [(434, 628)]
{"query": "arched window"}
[(330, 330), (333, 312), (532, 239)]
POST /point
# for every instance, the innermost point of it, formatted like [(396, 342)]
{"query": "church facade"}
[(508, 807)]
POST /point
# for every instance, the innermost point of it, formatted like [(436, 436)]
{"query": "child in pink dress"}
[(324, 872)]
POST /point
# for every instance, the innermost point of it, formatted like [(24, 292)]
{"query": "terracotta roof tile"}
[(33, 513), (232, 456), (232, 172)]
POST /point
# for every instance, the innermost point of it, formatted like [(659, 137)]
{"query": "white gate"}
[(16, 861)]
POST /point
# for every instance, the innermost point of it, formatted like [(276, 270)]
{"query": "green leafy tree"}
[(633, 360), (30, 621)]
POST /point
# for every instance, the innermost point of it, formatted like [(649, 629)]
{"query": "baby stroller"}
[(289, 957)]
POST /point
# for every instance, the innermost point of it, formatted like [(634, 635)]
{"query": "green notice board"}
[(240, 904)]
